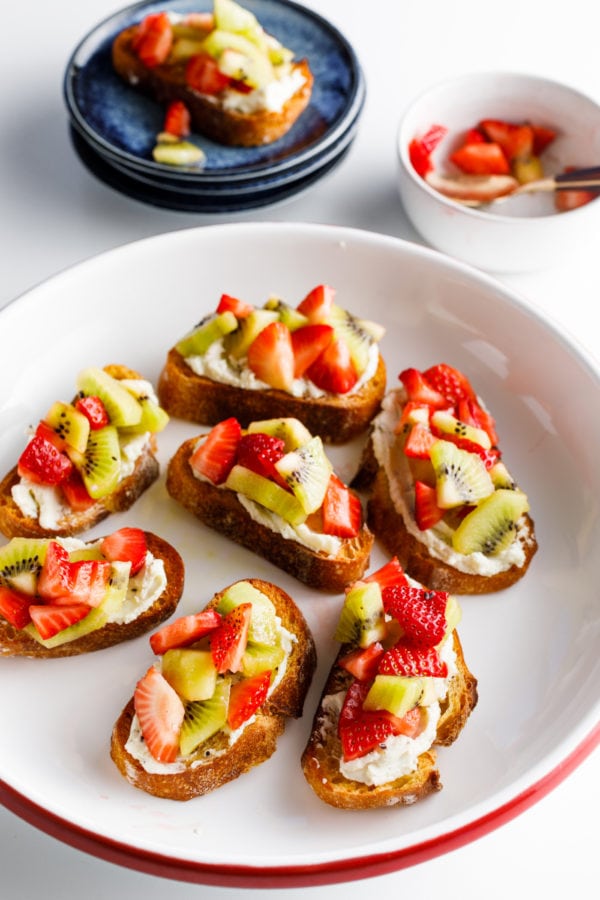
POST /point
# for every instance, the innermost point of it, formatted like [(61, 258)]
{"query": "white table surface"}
[(53, 214)]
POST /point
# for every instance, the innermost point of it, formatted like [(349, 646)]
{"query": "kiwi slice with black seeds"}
[(20, 563), (461, 477), (307, 471), (100, 465), (492, 526)]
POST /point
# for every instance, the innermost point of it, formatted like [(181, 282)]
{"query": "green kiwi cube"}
[(260, 657), (212, 329), (396, 693), (69, 424), (263, 621), (192, 673), (287, 314), (266, 493), (238, 342), (362, 619), (203, 718)]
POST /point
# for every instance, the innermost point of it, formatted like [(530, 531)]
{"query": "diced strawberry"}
[(88, 582), (419, 442), (14, 606), (271, 356), (160, 712), (542, 137), (202, 73), (362, 664), (516, 141), (54, 579), (184, 631), (433, 136), (259, 452), (246, 696), (44, 430), (333, 370), (178, 121), (427, 511), (49, 619), (308, 343), (420, 613), (419, 390), (153, 39), (353, 702), (474, 136), (228, 641), (75, 492), (215, 456), (481, 159), (470, 411), (342, 510), (317, 304), (410, 660), (239, 308), (42, 462), (413, 412), (390, 573), (94, 409), (364, 734), (420, 149), (451, 383), (564, 200), (126, 545)]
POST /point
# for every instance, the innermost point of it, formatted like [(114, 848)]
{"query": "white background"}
[(53, 214)]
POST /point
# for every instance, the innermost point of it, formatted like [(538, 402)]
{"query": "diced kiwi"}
[(449, 424), (263, 624), (461, 477), (230, 16), (203, 718), (501, 477), (69, 424), (192, 673), (86, 553), (307, 471), (154, 418), (248, 329), (211, 329), (100, 466), (258, 68), (267, 493), (491, 527), (20, 563), (287, 314), (453, 613), (396, 693), (291, 431), (358, 338), (261, 658), (362, 619), (122, 407), (178, 153)]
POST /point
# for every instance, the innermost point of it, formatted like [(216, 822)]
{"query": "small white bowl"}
[(522, 233)]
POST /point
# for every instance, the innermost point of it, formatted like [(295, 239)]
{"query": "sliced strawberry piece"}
[(153, 40), (271, 356), (44, 430), (341, 510), (516, 141), (177, 119), (75, 492), (420, 149), (427, 511), (126, 545), (95, 411), (54, 579), (185, 631), (353, 702), (215, 456), (420, 391), (364, 734), (362, 664), (14, 606), (564, 200), (50, 619), (481, 159), (160, 712), (88, 580), (405, 658), (42, 462), (419, 442), (542, 137), (390, 573), (420, 613), (317, 304), (246, 697), (239, 308), (202, 73), (333, 370), (228, 641), (259, 452), (451, 383), (308, 342)]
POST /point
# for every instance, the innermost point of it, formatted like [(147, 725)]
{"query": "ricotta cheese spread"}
[(302, 534), (271, 98)]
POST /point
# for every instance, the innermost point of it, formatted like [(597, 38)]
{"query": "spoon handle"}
[(579, 178)]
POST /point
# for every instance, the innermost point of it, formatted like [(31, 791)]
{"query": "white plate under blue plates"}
[(122, 123)]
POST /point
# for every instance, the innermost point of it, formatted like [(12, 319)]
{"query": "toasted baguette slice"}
[(219, 508), (166, 82), (215, 762), (321, 757), (15, 642), (336, 418)]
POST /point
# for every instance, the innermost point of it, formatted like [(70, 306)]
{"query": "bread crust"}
[(14, 642), (320, 759), (166, 82), (221, 510), (204, 771), (336, 418)]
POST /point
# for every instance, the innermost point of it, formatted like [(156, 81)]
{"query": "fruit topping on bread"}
[(399, 686), (271, 488), (63, 597), (215, 700), (86, 458), (239, 84), (443, 499), (314, 361)]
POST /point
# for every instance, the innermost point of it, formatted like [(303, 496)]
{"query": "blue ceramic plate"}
[(122, 124)]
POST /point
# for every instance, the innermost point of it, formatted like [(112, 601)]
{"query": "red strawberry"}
[(390, 573), (364, 734), (451, 383), (215, 456), (419, 390), (246, 697), (542, 137), (419, 442), (177, 119), (126, 545), (334, 370), (308, 343), (160, 711), (259, 452), (413, 412), (42, 462), (420, 613), (469, 411), (153, 39), (202, 73), (54, 579), (239, 308), (481, 159), (95, 411), (271, 356), (228, 641), (184, 631), (362, 664), (14, 606), (353, 702), (406, 659), (44, 430), (75, 492), (50, 619), (317, 304), (516, 141), (88, 582), (427, 511), (341, 510)]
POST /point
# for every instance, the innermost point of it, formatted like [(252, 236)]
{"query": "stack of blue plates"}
[(113, 127)]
